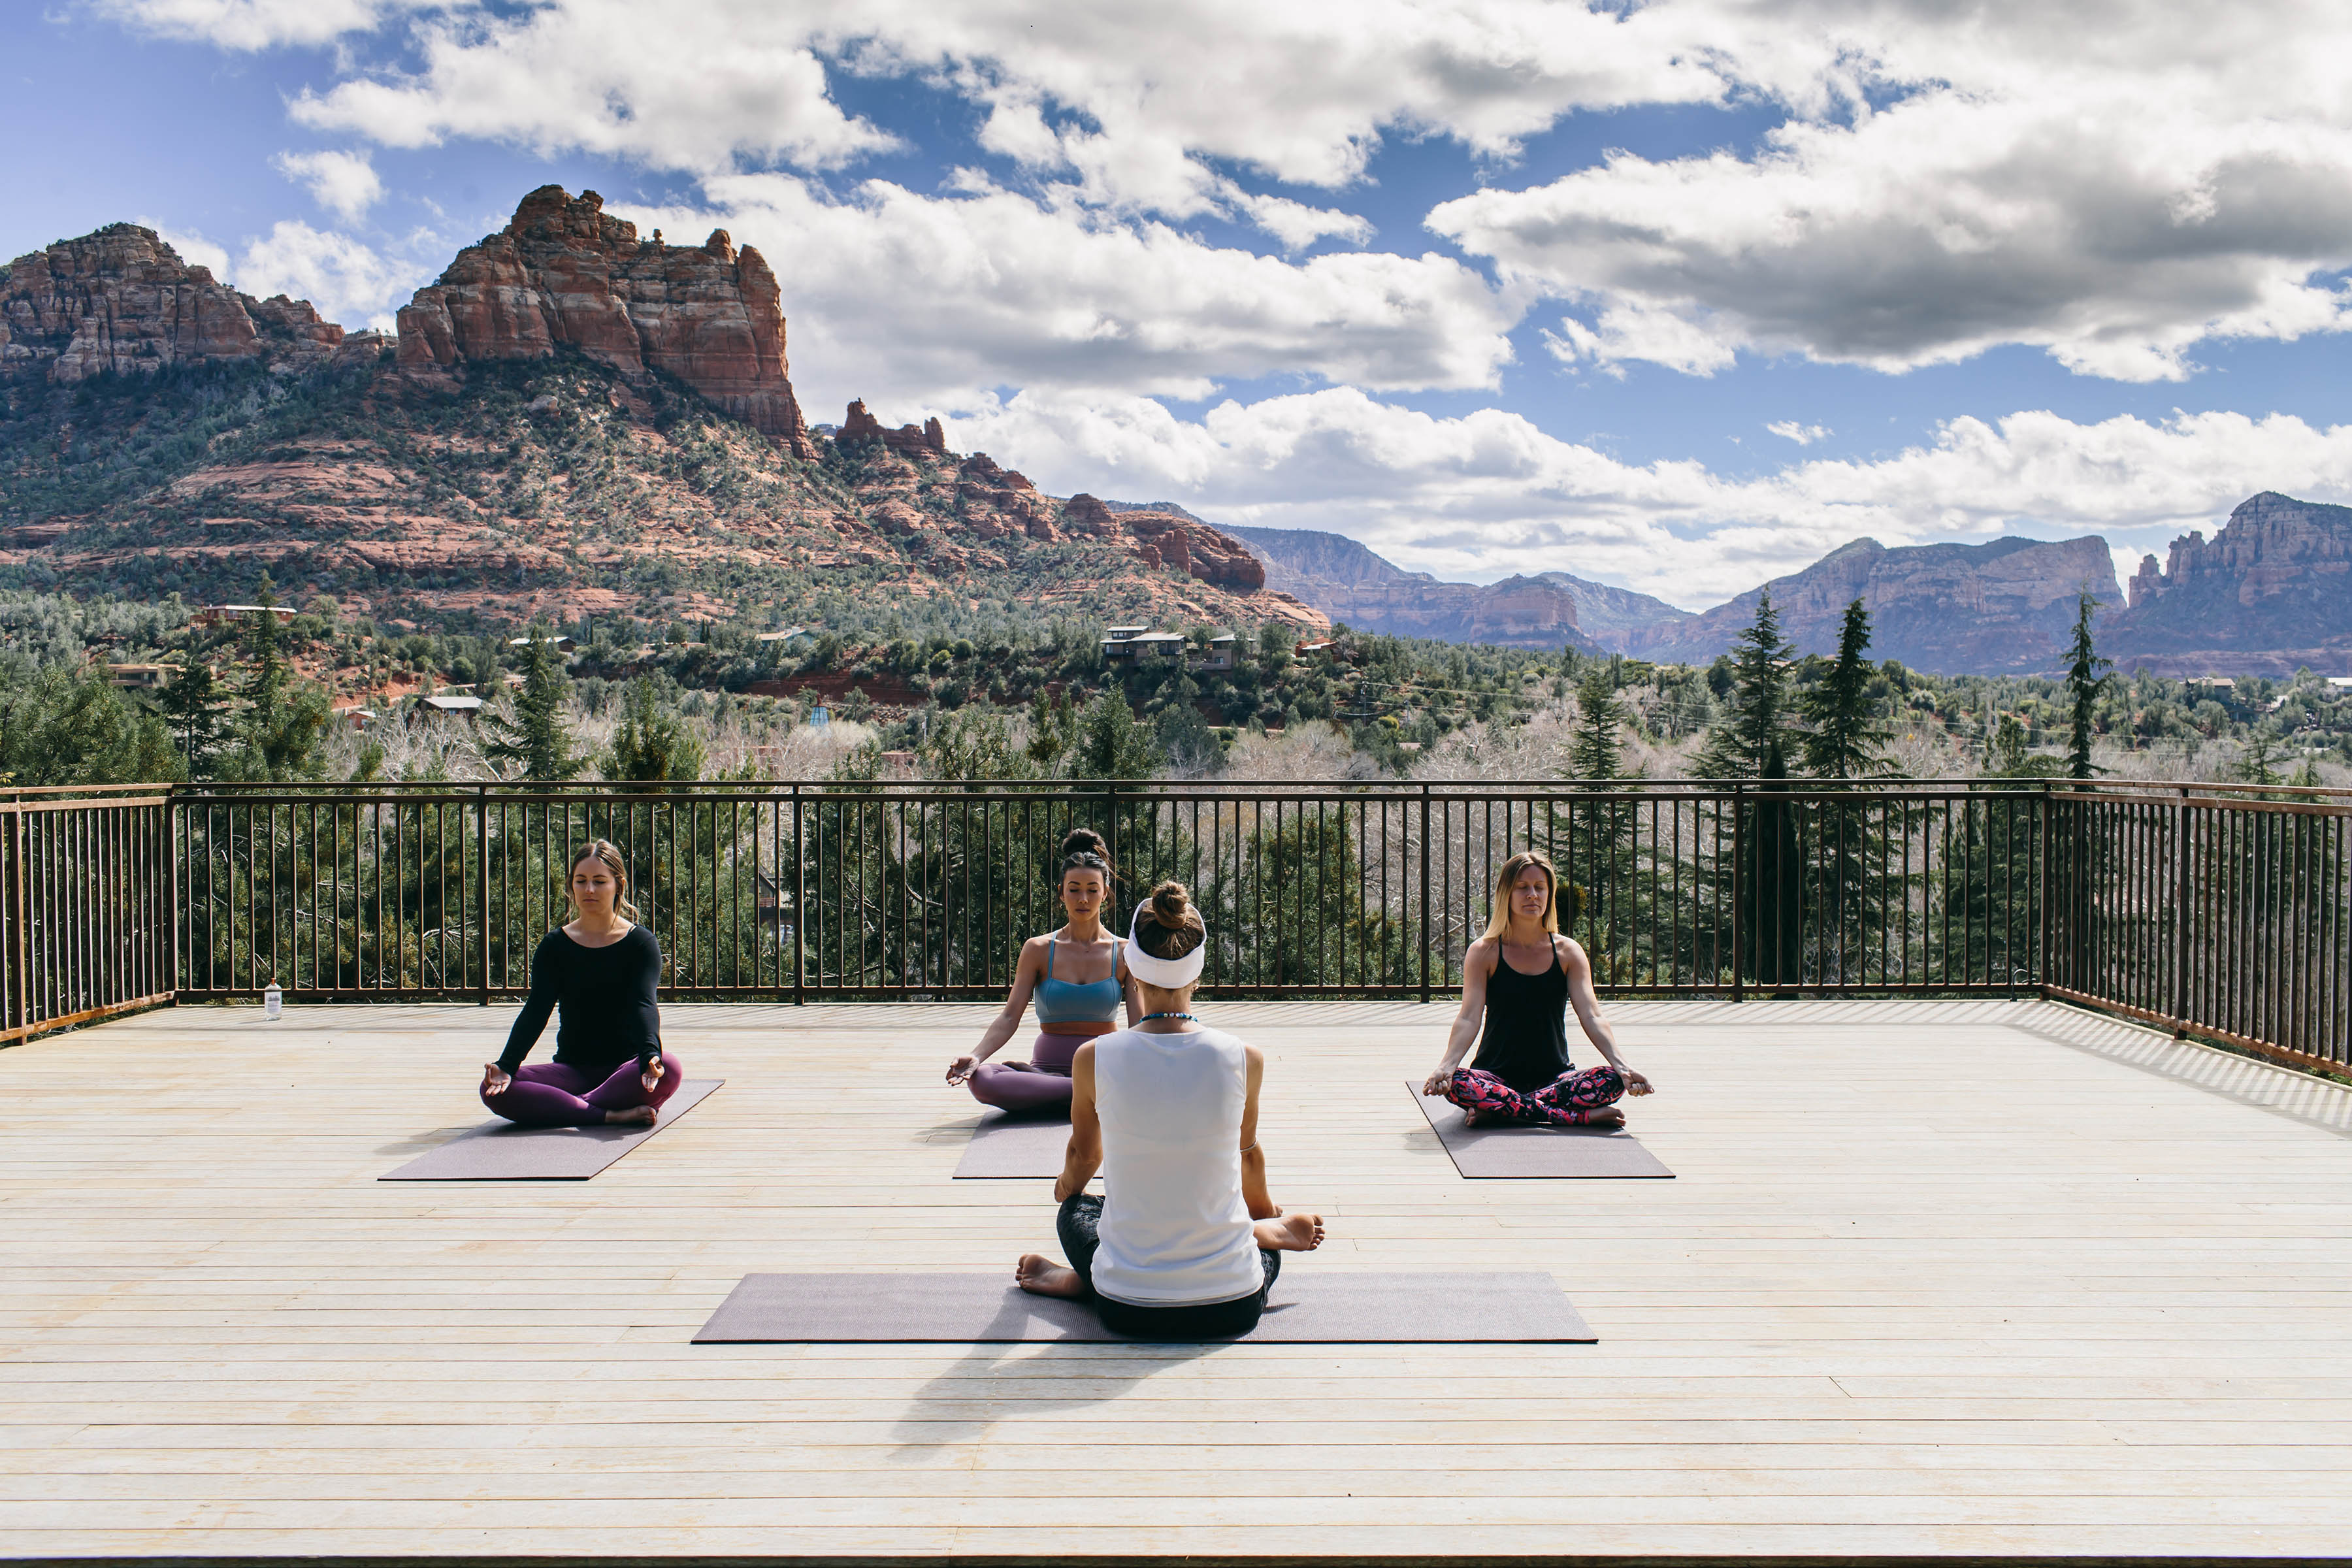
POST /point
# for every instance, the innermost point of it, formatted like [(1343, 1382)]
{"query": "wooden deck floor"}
[(1935, 1279)]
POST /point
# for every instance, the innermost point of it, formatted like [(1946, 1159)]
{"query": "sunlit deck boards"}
[(1935, 1279)]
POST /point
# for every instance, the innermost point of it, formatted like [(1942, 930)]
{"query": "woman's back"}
[(1175, 1229)]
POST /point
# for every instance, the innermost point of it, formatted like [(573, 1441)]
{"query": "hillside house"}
[(140, 677), (215, 615), (1134, 642), (1218, 655)]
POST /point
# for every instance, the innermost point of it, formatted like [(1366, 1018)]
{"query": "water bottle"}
[(273, 1003)]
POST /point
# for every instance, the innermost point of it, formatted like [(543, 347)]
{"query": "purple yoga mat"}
[(1005, 1146), (501, 1152), (1522, 1150), (1309, 1306)]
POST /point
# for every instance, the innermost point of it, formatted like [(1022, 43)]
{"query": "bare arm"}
[(1129, 988), (1025, 974), (1254, 1188), (1478, 964), (1579, 969), (1084, 1156)]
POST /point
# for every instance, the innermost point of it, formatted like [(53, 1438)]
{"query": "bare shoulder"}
[(1481, 957), (1571, 955)]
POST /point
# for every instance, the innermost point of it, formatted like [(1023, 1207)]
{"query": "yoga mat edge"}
[(477, 1153)]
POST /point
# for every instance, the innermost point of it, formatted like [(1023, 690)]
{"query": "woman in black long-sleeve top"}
[(609, 1068)]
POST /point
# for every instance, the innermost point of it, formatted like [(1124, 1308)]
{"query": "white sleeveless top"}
[(1175, 1231)]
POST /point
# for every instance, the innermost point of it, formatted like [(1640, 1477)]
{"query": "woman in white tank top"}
[(1185, 1242)]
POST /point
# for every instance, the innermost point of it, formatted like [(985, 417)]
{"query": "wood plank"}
[(1873, 1317)]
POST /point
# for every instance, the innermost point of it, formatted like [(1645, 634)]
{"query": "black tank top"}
[(1526, 1039)]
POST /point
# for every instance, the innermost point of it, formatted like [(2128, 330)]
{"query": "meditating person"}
[(1187, 1242), (1520, 978), (601, 970), (1075, 975)]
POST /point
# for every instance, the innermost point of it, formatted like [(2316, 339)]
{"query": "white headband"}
[(1168, 973)]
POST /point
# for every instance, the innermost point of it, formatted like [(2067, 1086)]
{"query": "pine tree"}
[(2085, 678), (1845, 740), (537, 737), (193, 703), (1758, 698), (1600, 715), (265, 687), (653, 744), (1111, 744)]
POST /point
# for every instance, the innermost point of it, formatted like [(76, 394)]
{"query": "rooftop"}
[(1970, 1277)]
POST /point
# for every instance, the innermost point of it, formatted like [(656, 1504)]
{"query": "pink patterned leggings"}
[(1568, 1100)]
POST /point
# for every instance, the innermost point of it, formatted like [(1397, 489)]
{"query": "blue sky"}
[(1678, 296)]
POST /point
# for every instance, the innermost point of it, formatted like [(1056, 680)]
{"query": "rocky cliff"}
[(2270, 592), (1349, 583), (1998, 608), (120, 300), (563, 273)]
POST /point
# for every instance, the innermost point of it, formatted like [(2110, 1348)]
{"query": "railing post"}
[(2180, 915), (482, 883), (23, 989), (170, 851), (1739, 890), (800, 908), (1427, 934)]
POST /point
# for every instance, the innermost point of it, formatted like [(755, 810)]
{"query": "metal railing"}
[(85, 906), (2218, 911)]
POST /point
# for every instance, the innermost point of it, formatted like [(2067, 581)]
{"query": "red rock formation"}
[(2278, 576), (1195, 549), (996, 501), (120, 300), (859, 427), (563, 273)]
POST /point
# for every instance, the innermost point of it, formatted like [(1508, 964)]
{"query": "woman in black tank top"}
[(1522, 1071)]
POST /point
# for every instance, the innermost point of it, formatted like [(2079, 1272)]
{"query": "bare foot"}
[(1472, 1116), (1291, 1233), (1607, 1116), (635, 1116), (1044, 1277)]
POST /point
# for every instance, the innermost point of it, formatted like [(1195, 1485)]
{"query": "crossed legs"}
[(550, 1094), (1587, 1099)]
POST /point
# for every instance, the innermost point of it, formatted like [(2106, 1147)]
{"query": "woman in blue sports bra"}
[(1070, 1011)]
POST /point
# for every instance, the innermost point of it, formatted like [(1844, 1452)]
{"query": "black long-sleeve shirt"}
[(607, 997)]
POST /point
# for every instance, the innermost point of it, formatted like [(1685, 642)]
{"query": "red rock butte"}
[(120, 300), (562, 273)]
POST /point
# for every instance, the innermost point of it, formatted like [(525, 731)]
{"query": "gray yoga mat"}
[(1517, 1149), (1308, 1307), (1003, 1146), (501, 1152)]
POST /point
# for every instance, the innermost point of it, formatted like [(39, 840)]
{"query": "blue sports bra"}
[(1067, 1002)]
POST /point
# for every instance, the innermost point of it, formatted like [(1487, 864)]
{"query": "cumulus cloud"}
[(894, 295), (347, 280), (1132, 109), (1802, 435), (1487, 494), (345, 182), (696, 88), (2108, 195), (259, 24)]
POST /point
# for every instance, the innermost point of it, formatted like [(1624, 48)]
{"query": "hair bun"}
[(1085, 841), (1169, 904)]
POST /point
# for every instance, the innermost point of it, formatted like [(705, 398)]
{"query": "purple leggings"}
[(1041, 1083), (1566, 1102), (550, 1094)]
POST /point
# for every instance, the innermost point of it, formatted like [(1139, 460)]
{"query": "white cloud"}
[(345, 182), (896, 297), (1487, 494), (1132, 109), (259, 24), (348, 282), (695, 88), (2113, 191), (1802, 435)]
